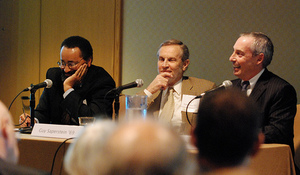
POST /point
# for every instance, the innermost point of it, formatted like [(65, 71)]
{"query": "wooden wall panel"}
[(31, 32)]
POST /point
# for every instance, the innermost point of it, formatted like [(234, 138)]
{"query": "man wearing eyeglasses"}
[(79, 88)]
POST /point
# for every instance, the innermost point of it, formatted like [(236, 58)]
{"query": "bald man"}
[(9, 152), (145, 147)]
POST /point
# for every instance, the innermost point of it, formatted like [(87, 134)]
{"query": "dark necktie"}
[(245, 85)]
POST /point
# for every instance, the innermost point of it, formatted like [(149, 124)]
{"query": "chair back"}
[(297, 136)]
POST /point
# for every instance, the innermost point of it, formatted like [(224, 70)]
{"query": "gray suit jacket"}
[(190, 86)]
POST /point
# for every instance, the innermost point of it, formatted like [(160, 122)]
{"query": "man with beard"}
[(79, 88)]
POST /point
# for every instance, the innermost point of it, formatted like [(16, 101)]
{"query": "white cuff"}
[(36, 120), (67, 92), (148, 93)]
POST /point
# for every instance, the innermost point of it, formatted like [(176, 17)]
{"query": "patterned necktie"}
[(168, 108), (245, 85)]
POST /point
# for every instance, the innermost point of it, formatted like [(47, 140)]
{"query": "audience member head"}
[(85, 154), (144, 148), (8, 143), (227, 131)]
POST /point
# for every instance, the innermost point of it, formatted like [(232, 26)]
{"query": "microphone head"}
[(49, 83), (139, 82), (227, 84)]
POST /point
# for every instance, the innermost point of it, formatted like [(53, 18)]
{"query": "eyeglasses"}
[(70, 65)]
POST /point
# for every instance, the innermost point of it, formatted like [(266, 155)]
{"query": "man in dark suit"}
[(9, 152), (275, 97), (79, 88), (173, 61)]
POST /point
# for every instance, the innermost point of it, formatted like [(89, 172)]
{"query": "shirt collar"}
[(254, 79), (176, 87)]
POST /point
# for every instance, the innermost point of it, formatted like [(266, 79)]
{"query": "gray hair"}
[(262, 44)]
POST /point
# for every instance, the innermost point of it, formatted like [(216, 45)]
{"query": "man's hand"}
[(22, 118), (160, 82), (76, 78)]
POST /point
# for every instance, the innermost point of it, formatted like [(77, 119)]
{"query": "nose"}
[(165, 63), (66, 69), (232, 57)]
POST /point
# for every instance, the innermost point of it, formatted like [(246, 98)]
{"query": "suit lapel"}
[(187, 87), (154, 105), (260, 86)]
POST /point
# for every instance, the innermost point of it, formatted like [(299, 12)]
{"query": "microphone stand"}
[(28, 130), (117, 105)]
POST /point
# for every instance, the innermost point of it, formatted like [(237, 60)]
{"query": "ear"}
[(193, 138), (4, 129), (185, 64), (256, 145), (89, 61), (260, 58)]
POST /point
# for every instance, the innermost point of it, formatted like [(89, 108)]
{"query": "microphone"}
[(226, 84), (136, 83), (47, 83)]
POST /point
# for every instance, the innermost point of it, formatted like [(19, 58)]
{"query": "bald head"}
[(144, 147), (8, 144)]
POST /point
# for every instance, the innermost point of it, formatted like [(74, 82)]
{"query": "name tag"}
[(193, 105), (56, 131)]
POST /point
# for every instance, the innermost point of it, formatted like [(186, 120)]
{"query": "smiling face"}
[(170, 60), (245, 64)]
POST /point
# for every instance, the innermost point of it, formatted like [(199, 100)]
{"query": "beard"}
[(64, 76)]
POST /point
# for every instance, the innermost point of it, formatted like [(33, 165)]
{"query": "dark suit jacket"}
[(277, 102), (12, 169), (190, 86), (87, 99)]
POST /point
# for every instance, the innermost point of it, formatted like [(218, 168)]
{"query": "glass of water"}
[(136, 107)]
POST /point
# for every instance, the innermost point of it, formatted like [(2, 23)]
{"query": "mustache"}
[(64, 75)]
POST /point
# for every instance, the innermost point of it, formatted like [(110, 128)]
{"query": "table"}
[(38, 152), (274, 159)]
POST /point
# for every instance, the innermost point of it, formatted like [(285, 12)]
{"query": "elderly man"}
[(9, 152), (276, 98), (137, 147), (166, 92)]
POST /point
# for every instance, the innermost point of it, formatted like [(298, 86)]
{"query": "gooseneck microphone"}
[(226, 84), (47, 83), (136, 83)]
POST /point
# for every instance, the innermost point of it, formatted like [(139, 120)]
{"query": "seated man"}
[(79, 87), (227, 133), (166, 92), (274, 96), (9, 151)]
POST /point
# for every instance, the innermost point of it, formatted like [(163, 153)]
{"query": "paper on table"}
[(193, 106)]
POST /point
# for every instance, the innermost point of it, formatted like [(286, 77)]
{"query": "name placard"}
[(193, 106), (56, 131)]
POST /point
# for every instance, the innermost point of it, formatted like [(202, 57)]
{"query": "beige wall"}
[(209, 28), (32, 30), (31, 34)]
